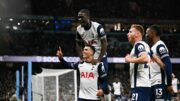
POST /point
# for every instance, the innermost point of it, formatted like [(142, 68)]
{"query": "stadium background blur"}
[(38, 27)]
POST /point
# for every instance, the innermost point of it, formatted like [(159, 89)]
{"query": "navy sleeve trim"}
[(162, 51), (139, 47), (101, 71), (68, 65), (100, 31)]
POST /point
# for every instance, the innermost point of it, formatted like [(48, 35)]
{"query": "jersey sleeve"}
[(101, 32), (103, 77), (68, 65), (101, 71), (162, 51), (139, 49)]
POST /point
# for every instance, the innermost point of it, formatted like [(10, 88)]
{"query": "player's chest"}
[(86, 67), (88, 70), (89, 34)]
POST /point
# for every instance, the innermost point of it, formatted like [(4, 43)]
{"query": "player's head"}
[(153, 31), (136, 31), (88, 51), (84, 16)]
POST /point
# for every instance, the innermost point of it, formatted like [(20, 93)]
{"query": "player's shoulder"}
[(79, 28), (140, 44), (160, 45), (160, 42), (95, 24)]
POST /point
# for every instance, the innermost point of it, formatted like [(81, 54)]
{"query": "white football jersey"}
[(89, 79), (175, 83), (139, 72), (117, 88), (92, 36), (158, 75)]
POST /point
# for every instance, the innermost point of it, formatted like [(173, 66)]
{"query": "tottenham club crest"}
[(162, 50), (141, 48), (102, 31)]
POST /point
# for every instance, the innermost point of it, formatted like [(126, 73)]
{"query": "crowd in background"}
[(116, 71), (114, 9), (45, 44)]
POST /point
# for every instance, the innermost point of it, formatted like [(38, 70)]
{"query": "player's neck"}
[(156, 40), (138, 39), (88, 25), (89, 59)]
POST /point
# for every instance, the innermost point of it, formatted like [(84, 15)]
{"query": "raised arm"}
[(64, 63)]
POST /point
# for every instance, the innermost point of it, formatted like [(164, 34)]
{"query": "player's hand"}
[(95, 61), (100, 92), (59, 53), (170, 89), (128, 58)]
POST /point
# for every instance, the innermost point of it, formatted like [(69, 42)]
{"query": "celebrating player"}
[(89, 74), (161, 67), (139, 67), (91, 33)]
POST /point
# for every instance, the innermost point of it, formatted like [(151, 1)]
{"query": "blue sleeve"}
[(168, 69), (103, 77), (100, 31), (139, 47), (163, 53), (68, 65)]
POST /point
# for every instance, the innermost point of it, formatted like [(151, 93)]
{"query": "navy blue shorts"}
[(79, 99), (159, 92), (117, 96), (140, 94), (105, 62)]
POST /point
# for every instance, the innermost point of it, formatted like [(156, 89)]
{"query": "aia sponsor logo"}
[(87, 75), (91, 42)]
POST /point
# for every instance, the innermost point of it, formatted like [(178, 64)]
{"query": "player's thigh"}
[(140, 94)]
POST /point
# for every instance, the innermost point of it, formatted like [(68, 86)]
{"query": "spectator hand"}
[(59, 53)]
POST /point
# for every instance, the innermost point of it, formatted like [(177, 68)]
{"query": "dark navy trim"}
[(135, 74), (137, 51), (100, 34)]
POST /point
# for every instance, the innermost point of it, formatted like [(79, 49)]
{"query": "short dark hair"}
[(157, 29), (92, 48), (86, 11), (139, 28)]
